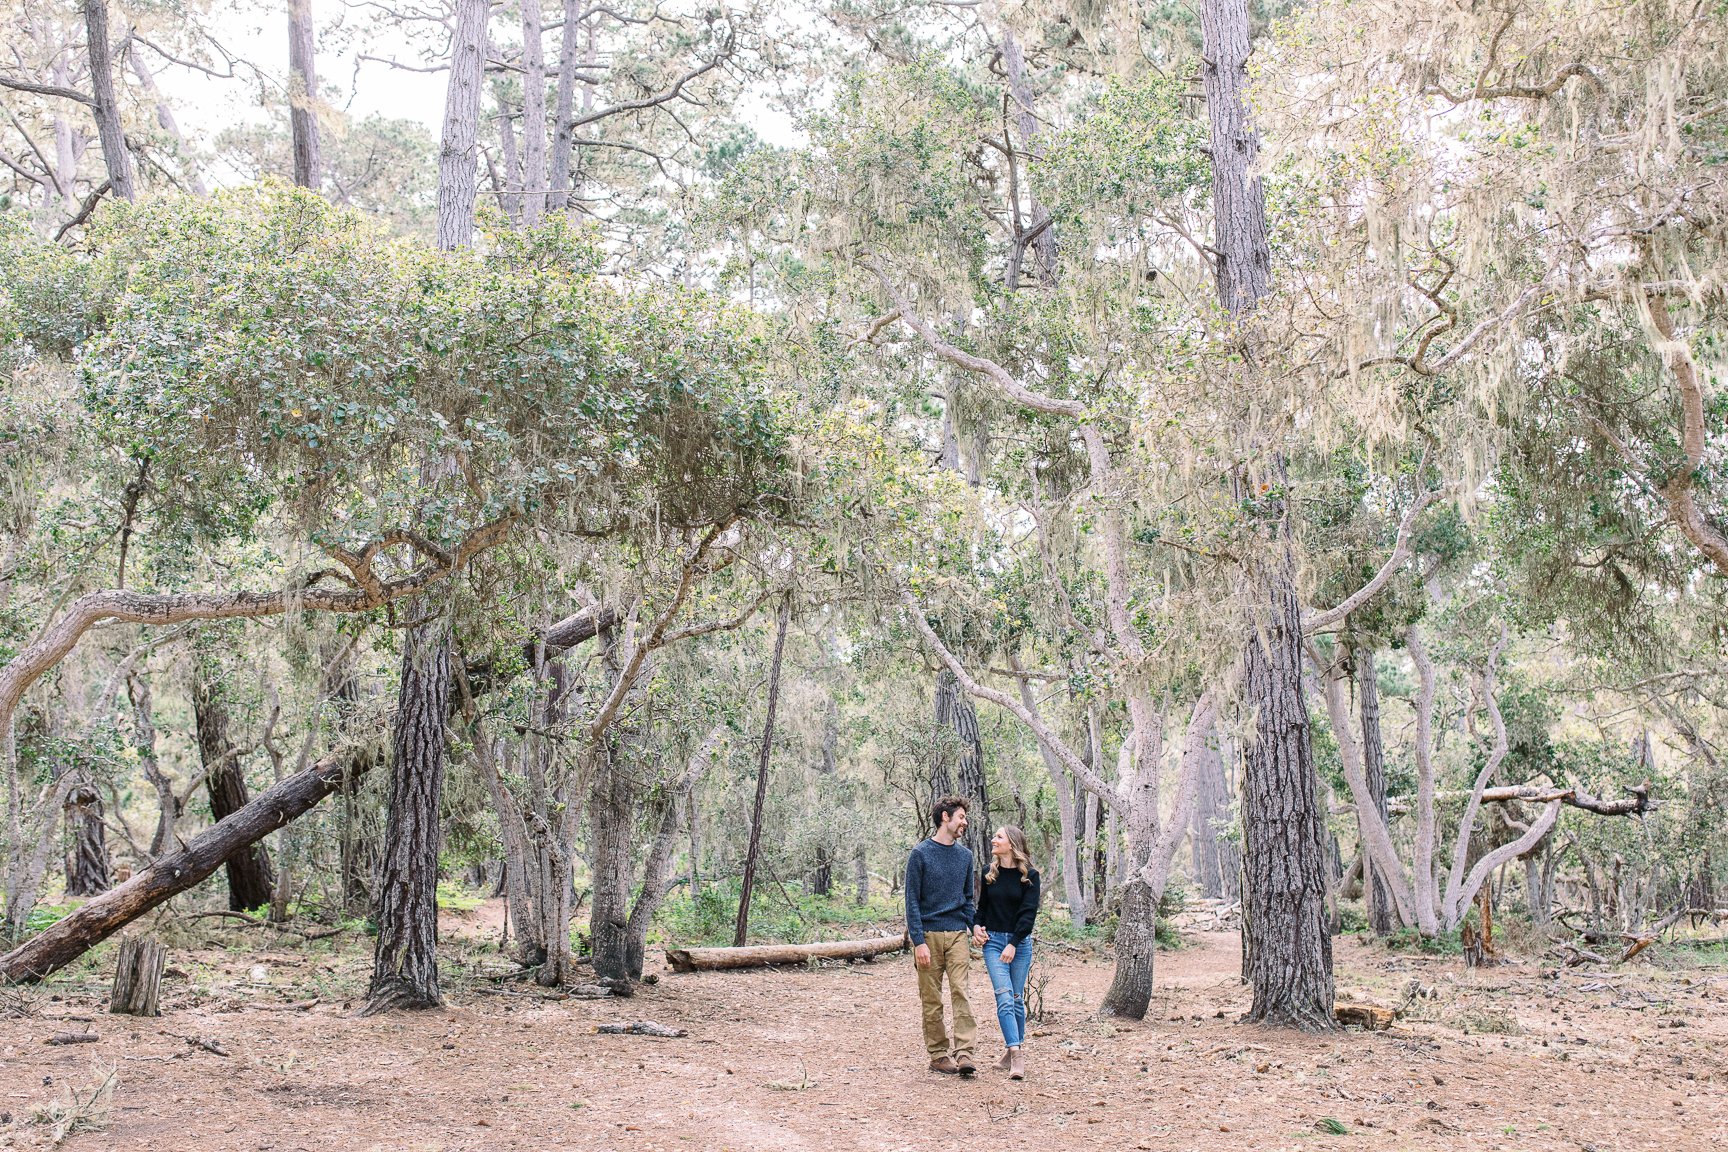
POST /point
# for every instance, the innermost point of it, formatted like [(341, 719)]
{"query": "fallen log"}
[(1368, 1017), (762, 955), (60, 944)]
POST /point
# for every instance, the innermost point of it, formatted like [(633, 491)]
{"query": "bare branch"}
[(47, 90), (1400, 553), (1012, 388), (1071, 760)]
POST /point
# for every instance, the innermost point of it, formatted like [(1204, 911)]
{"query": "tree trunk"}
[(1382, 913), (88, 872), (533, 114), (509, 183), (1283, 826), (250, 879), (654, 876), (1217, 862), (55, 947), (138, 977), (955, 711), (457, 153), (1036, 227), (612, 820), (303, 96), (741, 930), (860, 877), (165, 119), (1062, 784), (1289, 953), (144, 741), (405, 958), (564, 109), (121, 173), (1136, 948)]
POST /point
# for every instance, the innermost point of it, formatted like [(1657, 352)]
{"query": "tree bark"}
[(458, 151), (303, 96), (741, 930), (55, 947), (122, 176), (250, 877), (1382, 913), (405, 958)]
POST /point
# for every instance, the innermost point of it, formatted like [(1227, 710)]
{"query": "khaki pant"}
[(950, 955)]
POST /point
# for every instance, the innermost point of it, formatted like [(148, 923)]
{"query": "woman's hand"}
[(980, 936), (1008, 954)]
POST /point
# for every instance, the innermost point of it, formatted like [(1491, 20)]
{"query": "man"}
[(939, 895)]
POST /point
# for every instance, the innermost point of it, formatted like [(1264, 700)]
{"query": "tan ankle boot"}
[(1016, 1067), (1001, 1064)]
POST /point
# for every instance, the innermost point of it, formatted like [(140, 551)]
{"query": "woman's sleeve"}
[(1028, 908)]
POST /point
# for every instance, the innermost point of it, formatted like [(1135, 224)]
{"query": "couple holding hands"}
[(944, 921)]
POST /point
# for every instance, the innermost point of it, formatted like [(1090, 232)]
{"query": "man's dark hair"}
[(945, 808)]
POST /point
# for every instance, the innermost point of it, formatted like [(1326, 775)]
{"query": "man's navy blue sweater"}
[(938, 889)]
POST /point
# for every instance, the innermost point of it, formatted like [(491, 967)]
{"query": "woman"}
[(1007, 909)]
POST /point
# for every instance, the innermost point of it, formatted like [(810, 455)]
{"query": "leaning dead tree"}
[(167, 877)]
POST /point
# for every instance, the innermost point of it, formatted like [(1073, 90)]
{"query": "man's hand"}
[(921, 955), (1008, 954), (980, 936)]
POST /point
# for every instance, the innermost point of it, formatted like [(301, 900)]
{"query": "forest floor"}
[(1517, 1057)]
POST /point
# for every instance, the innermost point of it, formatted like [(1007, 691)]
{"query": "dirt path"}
[(830, 1059)]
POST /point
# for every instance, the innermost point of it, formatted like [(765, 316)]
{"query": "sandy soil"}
[(1515, 1057)]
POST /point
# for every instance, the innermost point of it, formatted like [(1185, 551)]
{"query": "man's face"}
[(955, 824)]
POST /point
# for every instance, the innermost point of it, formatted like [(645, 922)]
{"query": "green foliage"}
[(265, 349), (457, 897), (708, 919)]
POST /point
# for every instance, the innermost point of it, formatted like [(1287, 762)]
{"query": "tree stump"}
[(138, 977)]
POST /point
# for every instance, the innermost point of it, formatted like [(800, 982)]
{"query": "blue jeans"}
[(1009, 981)]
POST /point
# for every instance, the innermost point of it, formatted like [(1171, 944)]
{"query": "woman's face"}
[(999, 844)]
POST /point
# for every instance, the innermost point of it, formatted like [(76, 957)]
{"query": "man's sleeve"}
[(971, 889), (1028, 909), (914, 883)]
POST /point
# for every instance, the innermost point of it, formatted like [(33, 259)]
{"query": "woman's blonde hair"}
[(1021, 857)]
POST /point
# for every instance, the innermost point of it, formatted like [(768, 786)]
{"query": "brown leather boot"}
[(944, 1065), (1016, 1067), (1001, 1064), (963, 1064)]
